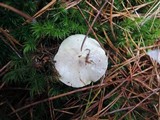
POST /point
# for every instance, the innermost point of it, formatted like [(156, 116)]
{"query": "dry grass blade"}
[(44, 9)]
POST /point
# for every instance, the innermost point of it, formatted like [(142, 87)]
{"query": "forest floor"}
[(127, 30)]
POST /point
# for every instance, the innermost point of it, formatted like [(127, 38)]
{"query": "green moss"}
[(145, 34)]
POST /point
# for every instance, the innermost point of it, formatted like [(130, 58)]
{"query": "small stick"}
[(87, 57), (93, 23), (29, 18)]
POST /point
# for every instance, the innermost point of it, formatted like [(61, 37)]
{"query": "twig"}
[(93, 24), (87, 22), (111, 19), (154, 92), (11, 47), (108, 95), (27, 17), (44, 9), (72, 4), (94, 8), (62, 95), (5, 66), (10, 38), (12, 108), (2, 85)]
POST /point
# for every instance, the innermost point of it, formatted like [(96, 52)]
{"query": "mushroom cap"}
[(79, 68), (154, 54)]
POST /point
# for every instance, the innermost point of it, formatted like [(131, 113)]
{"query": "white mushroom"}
[(154, 54), (77, 67)]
